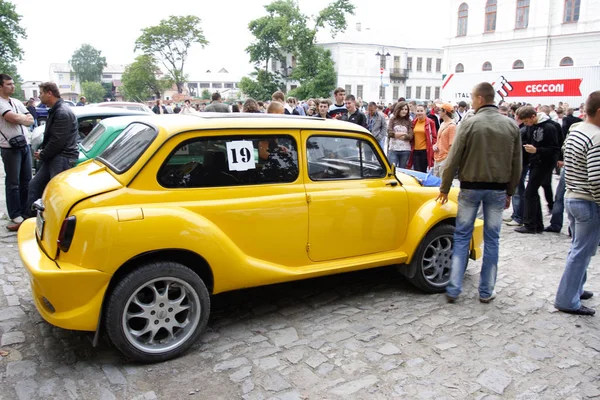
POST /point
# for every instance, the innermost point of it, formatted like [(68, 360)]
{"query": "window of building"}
[(381, 92), (60, 76), (491, 7), (487, 66), (566, 62), (428, 92), (348, 89), (395, 93), (522, 20), (418, 92), (419, 64), (459, 68), (359, 91), (438, 65), (274, 65), (340, 158), (382, 61), (106, 76), (231, 161), (204, 85), (409, 63), (463, 16), (72, 76), (518, 65), (217, 85), (572, 10), (294, 63), (396, 61), (437, 92), (429, 64), (408, 92), (228, 85), (292, 87)]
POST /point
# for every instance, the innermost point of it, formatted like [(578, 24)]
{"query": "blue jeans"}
[(399, 158), (17, 169), (584, 218), (468, 203), (558, 209), (48, 170), (518, 200)]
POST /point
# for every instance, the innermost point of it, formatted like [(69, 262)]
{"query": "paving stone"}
[(11, 313), (293, 395), (146, 396), (48, 388), (568, 363), (12, 338), (445, 346), (540, 354), (522, 365), (7, 289), (247, 386), (389, 349), (495, 380), (231, 364), (591, 390), (352, 387), (241, 373), (26, 389), (283, 337), (267, 363), (273, 381), (315, 360), (113, 375), (25, 368), (294, 356), (106, 394)]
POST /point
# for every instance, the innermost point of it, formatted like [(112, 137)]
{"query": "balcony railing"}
[(398, 74)]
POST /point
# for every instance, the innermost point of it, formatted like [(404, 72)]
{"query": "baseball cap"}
[(446, 107)]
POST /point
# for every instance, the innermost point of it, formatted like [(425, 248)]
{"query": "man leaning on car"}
[(59, 150)]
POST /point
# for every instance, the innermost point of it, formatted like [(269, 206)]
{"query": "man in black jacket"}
[(569, 120), (59, 150), (542, 147)]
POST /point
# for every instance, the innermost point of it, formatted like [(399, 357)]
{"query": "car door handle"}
[(392, 183)]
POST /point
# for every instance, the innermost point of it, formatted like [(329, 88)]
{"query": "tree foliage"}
[(286, 30), (140, 81), (170, 42), (206, 94), (10, 50), (88, 63), (261, 86), (93, 91)]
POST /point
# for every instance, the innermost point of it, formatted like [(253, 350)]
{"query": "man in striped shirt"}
[(582, 201)]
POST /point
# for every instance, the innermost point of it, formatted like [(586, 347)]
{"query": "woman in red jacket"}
[(425, 136)]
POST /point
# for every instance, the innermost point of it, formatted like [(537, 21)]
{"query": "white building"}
[(381, 67), (220, 80), (31, 89), (499, 35), (69, 85)]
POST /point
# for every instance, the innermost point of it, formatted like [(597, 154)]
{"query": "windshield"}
[(88, 142), (124, 151)]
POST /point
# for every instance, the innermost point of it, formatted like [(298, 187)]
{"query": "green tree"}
[(316, 75), (140, 81), (93, 91), (88, 63), (260, 86), (10, 50), (286, 30), (170, 41), (206, 94)]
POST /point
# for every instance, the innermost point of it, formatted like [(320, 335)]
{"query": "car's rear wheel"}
[(157, 311), (433, 260)]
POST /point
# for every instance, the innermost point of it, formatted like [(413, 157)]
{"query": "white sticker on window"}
[(240, 155), (183, 151)]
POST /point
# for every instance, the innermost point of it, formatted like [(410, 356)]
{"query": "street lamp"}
[(381, 69)]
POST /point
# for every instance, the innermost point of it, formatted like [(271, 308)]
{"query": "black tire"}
[(433, 260), (160, 315)]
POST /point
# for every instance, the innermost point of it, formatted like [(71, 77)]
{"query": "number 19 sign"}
[(240, 155)]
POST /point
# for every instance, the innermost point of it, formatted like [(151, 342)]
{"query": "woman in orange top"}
[(425, 136), (444, 139)]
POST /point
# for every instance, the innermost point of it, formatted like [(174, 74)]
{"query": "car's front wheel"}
[(157, 311), (432, 262)]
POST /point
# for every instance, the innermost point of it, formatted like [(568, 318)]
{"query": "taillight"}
[(67, 231)]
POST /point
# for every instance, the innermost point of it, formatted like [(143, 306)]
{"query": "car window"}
[(86, 125), (336, 158), (125, 150), (88, 142), (231, 161)]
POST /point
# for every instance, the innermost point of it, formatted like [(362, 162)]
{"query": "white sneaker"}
[(17, 220), (513, 223), (487, 299), (507, 219)]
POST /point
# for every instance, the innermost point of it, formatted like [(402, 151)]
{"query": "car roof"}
[(104, 111), (121, 121), (176, 123)]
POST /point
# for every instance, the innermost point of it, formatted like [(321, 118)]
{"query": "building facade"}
[(222, 81), (500, 35), (70, 87)]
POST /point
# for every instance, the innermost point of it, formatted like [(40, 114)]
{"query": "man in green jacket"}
[(487, 154)]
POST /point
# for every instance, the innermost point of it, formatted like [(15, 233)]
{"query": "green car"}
[(102, 136)]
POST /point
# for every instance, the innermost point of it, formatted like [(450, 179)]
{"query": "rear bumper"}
[(65, 295), (477, 240)]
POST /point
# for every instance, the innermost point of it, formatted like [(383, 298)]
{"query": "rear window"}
[(125, 150), (88, 142)]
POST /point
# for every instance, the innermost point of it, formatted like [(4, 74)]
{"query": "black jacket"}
[(358, 118), (61, 133), (435, 120), (544, 137), (566, 124)]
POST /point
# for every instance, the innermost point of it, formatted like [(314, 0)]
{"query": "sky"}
[(56, 28)]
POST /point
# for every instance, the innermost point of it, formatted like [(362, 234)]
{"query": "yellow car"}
[(177, 208)]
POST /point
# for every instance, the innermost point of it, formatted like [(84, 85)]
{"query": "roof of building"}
[(377, 37), (66, 67)]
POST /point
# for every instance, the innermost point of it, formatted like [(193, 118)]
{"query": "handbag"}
[(16, 142)]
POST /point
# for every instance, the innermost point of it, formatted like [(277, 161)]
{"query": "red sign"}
[(547, 88), (381, 70)]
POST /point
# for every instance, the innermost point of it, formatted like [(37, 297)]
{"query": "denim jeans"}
[(399, 158), (48, 170), (584, 218), (558, 209), (17, 169), (468, 203), (518, 200)]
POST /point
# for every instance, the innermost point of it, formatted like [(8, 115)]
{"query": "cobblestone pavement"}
[(366, 335)]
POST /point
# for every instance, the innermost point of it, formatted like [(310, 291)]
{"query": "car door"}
[(355, 205)]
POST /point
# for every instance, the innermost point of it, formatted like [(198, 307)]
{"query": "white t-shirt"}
[(9, 129)]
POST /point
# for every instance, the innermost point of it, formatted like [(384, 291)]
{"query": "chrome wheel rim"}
[(161, 314), (437, 260)]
